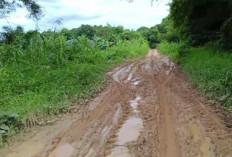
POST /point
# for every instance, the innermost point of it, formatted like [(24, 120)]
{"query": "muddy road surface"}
[(148, 110)]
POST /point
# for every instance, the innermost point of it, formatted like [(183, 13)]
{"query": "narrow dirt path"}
[(149, 110)]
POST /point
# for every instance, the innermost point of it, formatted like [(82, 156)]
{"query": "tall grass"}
[(209, 68), (42, 75)]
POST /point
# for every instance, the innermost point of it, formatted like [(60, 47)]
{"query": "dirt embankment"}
[(149, 110)]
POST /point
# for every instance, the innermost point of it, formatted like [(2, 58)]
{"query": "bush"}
[(174, 50)]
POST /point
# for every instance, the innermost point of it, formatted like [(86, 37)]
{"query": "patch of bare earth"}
[(149, 110)]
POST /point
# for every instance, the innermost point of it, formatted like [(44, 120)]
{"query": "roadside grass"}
[(209, 68), (43, 77)]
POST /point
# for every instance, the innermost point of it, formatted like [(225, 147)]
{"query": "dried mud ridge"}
[(149, 110)]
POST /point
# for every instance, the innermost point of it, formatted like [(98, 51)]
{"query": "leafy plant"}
[(10, 124)]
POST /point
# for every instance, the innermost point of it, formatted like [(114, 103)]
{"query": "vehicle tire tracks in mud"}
[(149, 109)]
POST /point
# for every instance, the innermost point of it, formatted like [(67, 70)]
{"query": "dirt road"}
[(148, 110)]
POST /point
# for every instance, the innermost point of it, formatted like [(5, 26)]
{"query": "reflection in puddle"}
[(136, 83), (131, 73), (130, 130), (64, 150), (105, 132), (117, 76), (134, 104)]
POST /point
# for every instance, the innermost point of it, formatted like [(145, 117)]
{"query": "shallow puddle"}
[(136, 83), (131, 73), (117, 76), (130, 130), (65, 150), (134, 104)]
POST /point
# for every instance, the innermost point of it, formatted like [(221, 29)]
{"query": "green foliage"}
[(167, 32), (10, 124), (41, 72), (226, 40), (172, 49), (151, 34), (200, 21), (160, 33), (209, 68), (6, 7)]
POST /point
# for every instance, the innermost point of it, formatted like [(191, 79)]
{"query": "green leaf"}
[(13, 115), (4, 127), (2, 132)]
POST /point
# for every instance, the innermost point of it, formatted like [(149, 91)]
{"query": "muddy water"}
[(134, 104), (136, 83), (129, 132), (119, 74)]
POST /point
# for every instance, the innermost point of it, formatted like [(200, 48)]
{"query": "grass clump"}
[(209, 68)]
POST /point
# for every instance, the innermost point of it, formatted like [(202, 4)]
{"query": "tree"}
[(200, 20), (9, 35), (86, 30), (6, 7), (144, 31)]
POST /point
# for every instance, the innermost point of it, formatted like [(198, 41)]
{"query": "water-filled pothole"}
[(129, 132)]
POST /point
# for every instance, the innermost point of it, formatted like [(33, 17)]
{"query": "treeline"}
[(43, 73), (195, 22), (197, 34)]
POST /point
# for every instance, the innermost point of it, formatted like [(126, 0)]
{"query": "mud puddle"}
[(120, 73), (129, 132), (134, 104)]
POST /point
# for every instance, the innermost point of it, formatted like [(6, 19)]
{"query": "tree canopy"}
[(201, 20), (6, 7)]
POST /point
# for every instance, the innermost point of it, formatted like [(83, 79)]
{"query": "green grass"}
[(44, 76), (209, 68), (31, 86)]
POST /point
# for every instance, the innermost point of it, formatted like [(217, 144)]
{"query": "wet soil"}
[(149, 109)]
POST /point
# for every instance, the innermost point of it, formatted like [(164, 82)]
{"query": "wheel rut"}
[(168, 136)]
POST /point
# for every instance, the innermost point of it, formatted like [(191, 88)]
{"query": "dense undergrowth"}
[(41, 73), (208, 67)]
